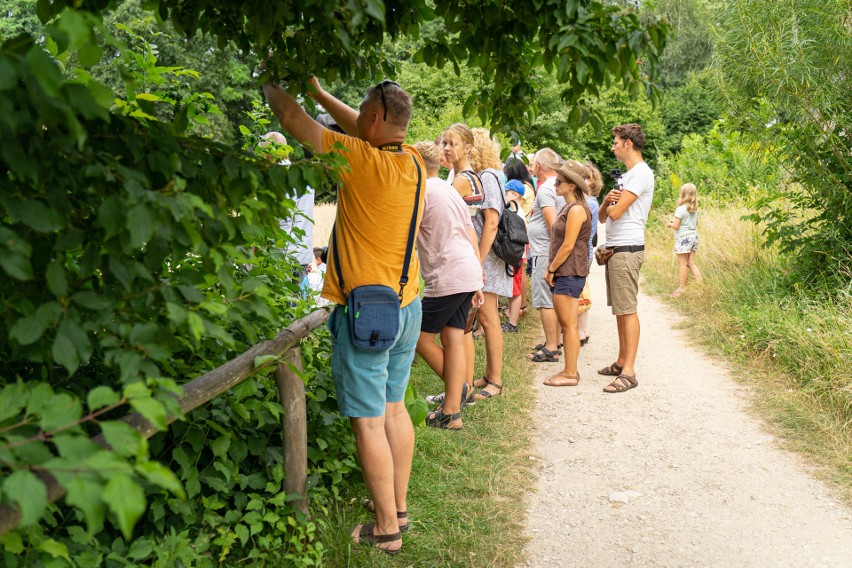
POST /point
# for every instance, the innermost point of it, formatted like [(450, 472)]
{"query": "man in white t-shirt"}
[(625, 212), (544, 210)]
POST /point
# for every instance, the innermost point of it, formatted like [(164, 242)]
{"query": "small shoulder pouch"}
[(602, 254), (373, 310)]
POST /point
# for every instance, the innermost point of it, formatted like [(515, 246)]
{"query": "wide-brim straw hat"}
[(573, 171)]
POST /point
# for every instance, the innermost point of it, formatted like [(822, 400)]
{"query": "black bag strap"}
[(409, 247)]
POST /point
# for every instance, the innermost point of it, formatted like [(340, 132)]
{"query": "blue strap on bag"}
[(373, 310)]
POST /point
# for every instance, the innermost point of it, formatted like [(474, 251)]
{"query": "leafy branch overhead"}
[(589, 44)]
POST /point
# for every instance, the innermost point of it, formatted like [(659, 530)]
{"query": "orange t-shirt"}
[(374, 207)]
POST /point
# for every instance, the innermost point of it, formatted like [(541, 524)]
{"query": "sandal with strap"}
[(368, 536), (484, 394), (562, 380), (545, 355), (612, 371), (400, 515), (622, 383), (438, 419), (540, 346)]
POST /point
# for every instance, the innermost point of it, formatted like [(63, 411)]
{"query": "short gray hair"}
[(398, 102), (547, 158)]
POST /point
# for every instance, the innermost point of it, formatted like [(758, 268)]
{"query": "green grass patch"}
[(467, 492), (791, 344)]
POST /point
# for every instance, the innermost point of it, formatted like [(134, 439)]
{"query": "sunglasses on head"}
[(381, 87)]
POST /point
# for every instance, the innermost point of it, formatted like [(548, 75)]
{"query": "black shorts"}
[(445, 311)]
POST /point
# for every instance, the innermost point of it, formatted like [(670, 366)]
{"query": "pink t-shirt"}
[(447, 260)]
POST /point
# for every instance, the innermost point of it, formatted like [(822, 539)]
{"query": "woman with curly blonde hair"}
[(485, 160)]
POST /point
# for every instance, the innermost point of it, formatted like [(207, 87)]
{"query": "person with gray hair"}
[(384, 186), (546, 204)]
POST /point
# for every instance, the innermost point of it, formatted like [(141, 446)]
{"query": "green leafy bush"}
[(135, 259)]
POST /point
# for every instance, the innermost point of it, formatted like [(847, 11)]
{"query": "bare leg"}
[(431, 352), (550, 323), (385, 447), (515, 303), (693, 267), (470, 358), (583, 324), (630, 324), (683, 271), (454, 367), (489, 318), (622, 346), (566, 310)]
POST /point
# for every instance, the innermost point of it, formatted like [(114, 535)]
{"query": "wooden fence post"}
[(294, 425)]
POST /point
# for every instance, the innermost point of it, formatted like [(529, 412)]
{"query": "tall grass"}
[(794, 341)]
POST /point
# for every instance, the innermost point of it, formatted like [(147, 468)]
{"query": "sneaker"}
[(435, 398), (509, 328)]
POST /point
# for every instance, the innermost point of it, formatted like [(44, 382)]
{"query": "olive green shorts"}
[(622, 281)]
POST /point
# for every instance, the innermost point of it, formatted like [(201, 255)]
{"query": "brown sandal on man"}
[(484, 394), (622, 383), (562, 380), (366, 535), (612, 371)]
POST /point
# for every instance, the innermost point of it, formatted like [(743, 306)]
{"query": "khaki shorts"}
[(622, 281), (542, 297)]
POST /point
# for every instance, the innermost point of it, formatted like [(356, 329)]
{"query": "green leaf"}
[(161, 476), (140, 225), (126, 500), (89, 54), (56, 281), (86, 496), (55, 549), (196, 325), (220, 445), (123, 438), (100, 397), (91, 301), (27, 331), (65, 353), (29, 493), (243, 129), (147, 97), (243, 533), (16, 265), (35, 214), (263, 360), (12, 542), (153, 411), (61, 410)]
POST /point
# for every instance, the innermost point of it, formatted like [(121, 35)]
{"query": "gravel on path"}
[(675, 472)]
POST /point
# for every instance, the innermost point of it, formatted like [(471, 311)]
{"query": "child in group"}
[(684, 225)]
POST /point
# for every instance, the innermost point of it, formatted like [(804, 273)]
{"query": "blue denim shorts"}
[(364, 381), (569, 285)]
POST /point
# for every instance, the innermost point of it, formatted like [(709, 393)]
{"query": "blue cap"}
[(516, 186)]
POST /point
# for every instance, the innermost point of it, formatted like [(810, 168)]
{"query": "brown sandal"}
[(400, 515), (368, 536), (484, 394), (567, 380), (612, 371), (622, 383)]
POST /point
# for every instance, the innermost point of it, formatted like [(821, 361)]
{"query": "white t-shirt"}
[(688, 221), (537, 231), (630, 228), (447, 260)]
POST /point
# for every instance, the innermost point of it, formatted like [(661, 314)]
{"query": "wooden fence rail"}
[(284, 346)]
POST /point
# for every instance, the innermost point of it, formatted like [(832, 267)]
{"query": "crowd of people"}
[(389, 190)]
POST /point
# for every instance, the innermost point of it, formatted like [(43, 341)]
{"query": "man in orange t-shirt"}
[(375, 204)]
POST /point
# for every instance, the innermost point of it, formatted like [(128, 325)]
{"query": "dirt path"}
[(672, 473)]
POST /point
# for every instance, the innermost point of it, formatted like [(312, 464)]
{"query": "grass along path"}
[(468, 488)]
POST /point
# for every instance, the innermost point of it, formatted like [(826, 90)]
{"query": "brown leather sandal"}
[(400, 515), (622, 383), (612, 371)]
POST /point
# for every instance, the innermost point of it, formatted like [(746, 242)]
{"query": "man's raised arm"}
[(343, 114), (293, 117)]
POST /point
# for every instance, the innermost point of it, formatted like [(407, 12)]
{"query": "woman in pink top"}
[(449, 263)]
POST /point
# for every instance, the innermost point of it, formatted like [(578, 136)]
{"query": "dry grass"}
[(792, 345), (324, 214)]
